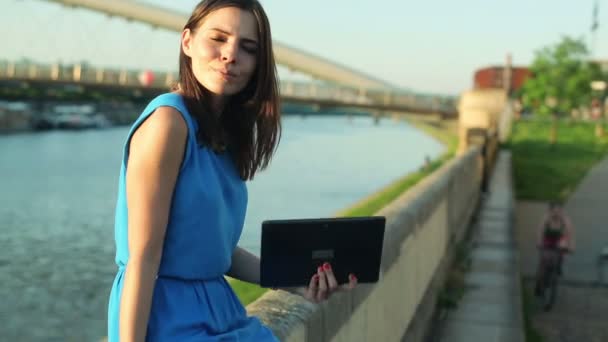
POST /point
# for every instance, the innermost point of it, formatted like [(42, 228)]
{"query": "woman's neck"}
[(217, 103)]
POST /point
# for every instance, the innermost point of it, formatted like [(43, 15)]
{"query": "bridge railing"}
[(382, 97), (82, 73)]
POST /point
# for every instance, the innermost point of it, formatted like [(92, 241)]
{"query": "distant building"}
[(603, 63), (494, 77)]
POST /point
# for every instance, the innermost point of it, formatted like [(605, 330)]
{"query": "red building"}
[(493, 77)]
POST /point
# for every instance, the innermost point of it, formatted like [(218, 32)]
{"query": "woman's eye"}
[(218, 39), (250, 49)]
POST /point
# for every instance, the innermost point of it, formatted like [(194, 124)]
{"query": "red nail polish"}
[(327, 266), (320, 269)]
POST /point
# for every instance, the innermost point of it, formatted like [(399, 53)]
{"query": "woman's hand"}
[(323, 284)]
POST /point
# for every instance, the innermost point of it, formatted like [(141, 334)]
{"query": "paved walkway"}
[(582, 306), (579, 314), (490, 310), (588, 209)]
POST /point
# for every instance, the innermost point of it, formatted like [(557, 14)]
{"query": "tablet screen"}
[(293, 249)]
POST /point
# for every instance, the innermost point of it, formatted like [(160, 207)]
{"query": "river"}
[(58, 192)]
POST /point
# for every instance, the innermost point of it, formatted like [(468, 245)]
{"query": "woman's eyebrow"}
[(246, 39)]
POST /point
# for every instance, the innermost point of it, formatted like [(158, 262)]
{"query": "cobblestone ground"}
[(580, 314)]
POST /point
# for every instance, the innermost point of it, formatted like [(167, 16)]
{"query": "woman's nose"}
[(229, 53)]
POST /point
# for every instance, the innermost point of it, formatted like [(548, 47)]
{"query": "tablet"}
[(293, 249)]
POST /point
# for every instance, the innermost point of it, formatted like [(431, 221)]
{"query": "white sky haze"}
[(427, 46)]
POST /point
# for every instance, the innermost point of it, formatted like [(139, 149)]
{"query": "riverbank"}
[(32, 116)]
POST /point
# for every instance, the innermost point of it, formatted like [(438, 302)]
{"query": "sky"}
[(431, 46)]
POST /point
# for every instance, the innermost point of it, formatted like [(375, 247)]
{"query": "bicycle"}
[(550, 274), (602, 261)]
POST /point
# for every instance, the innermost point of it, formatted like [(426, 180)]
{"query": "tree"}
[(561, 78)]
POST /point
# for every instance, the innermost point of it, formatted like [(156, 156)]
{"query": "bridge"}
[(87, 78), (333, 85)]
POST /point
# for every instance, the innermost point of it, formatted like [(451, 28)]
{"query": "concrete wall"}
[(422, 225), (480, 109), (505, 122)]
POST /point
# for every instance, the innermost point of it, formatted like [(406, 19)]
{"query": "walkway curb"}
[(491, 308)]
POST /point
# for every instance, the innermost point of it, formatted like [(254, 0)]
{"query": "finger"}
[(322, 291), (332, 283), (314, 282), (313, 287), (352, 282)]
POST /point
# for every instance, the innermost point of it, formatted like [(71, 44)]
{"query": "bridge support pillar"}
[(387, 98), (289, 88), (480, 109), (55, 72), (122, 78), (377, 115), (99, 75), (77, 72), (10, 69), (362, 92), (33, 71), (313, 89), (170, 79), (361, 95)]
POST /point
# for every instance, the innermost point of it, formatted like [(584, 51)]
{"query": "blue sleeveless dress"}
[(192, 301)]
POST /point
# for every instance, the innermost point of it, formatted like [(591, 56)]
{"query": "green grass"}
[(551, 172), (379, 200), (454, 285), (248, 293)]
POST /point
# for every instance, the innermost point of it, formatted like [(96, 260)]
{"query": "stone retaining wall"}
[(422, 225)]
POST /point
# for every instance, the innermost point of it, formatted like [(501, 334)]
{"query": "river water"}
[(58, 192)]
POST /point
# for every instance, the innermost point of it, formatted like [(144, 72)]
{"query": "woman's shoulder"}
[(166, 122), (172, 99)]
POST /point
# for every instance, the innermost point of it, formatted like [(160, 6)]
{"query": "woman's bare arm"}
[(541, 229), (570, 233), (245, 266), (156, 153)]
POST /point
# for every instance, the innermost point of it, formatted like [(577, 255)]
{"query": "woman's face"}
[(223, 50), (556, 211)]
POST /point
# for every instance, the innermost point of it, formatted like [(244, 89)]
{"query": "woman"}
[(555, 233), (182, 184)]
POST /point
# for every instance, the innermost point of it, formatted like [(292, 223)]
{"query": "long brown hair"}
[(249, 126)]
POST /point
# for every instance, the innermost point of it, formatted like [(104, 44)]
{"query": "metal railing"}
[(313, 91)]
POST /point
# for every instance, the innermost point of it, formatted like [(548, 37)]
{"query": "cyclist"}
[(555, 232)]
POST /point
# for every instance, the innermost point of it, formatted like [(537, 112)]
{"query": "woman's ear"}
[(187, 42)]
